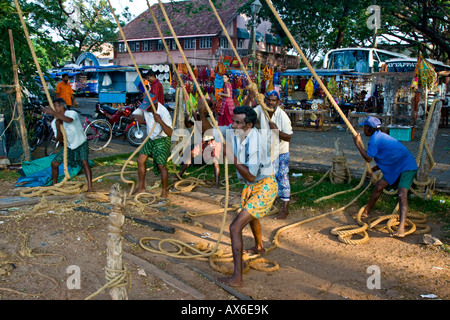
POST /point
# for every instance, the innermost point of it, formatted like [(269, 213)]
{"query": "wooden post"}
[(425, 165), (340, 172), (19, 106), (114, 265)]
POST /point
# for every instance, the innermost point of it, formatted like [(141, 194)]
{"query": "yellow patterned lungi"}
[(258, 198)]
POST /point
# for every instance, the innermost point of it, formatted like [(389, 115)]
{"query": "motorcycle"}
[(134, 132)]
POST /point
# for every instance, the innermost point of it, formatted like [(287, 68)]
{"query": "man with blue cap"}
[(158, 145), (395, 161)]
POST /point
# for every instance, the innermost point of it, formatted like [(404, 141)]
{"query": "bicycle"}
[(38, 131), (98, 133)]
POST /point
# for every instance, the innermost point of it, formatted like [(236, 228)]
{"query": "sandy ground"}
[(312, 263)]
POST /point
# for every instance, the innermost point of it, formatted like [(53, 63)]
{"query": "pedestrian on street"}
[(156, 87), (227, 104), (64, 90), (395, 161)]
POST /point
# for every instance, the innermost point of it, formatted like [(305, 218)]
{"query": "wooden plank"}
[(10, 202), (164, 276)]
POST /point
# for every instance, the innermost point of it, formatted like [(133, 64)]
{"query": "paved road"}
[(313, 150)]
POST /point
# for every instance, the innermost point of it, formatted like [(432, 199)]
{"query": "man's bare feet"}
[(255, 250), (364, 215), (231, 281), (138, 190), (283, 215), (398, 234), (164, 195)]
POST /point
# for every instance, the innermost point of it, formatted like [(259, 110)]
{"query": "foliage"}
[(9, 21), (421, 25), (80, 31), (318, 26)]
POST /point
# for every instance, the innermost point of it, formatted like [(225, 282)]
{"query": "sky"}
[(136, 7)]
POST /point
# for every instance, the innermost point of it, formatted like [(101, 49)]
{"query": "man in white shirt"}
[(280, 121), (246, 148), (158, 145), (77, 145)]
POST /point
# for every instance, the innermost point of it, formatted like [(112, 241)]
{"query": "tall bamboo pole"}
[(19, 105)]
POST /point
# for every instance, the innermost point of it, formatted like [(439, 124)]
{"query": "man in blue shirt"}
[(395, 161)]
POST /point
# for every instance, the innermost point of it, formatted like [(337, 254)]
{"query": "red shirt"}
[(156, 88)]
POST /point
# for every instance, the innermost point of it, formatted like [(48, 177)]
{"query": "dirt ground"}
[(313, 264)]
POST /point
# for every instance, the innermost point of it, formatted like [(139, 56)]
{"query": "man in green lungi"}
[(77, 145), (157, 146)]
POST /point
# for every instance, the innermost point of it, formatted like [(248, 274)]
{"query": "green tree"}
[(82, 25), (319, 26), (10, 21), (421, 25)]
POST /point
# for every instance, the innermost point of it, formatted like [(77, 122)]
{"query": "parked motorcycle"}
[(135, 133)]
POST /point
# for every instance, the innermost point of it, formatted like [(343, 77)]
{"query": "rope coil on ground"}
[(345, 233)]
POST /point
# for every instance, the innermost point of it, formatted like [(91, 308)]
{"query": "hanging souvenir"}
[(316, 85), (276, 78), (332, 86), (291, 87), (259, 79), (235, 63), (240, 99), (218, 81), (203, 76), (195, 71), (309, 89), (221, 68), (227, 60), (320, 90), (217, 97), (270, 85), (426, 74), (266, 73), (238, 82)]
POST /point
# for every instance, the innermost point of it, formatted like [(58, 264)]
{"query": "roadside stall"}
[(305, 102), (409, 86), (113, 84)]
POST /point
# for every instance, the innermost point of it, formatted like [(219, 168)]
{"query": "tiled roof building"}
[(200, 35)]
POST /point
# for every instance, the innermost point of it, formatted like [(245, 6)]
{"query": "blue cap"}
[(372, 122), (146, 103), (273, 93)]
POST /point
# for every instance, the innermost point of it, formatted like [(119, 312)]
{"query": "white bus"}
[(361, 60)]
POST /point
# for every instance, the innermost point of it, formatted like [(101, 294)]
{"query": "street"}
[(314, 150)]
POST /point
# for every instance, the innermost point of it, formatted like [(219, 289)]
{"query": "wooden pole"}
[(425, 165), (33, 53), (19, 105), (114, 265)]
